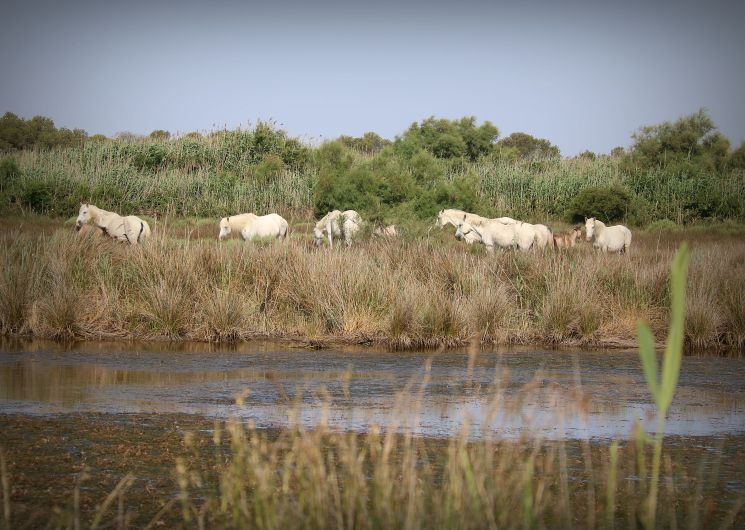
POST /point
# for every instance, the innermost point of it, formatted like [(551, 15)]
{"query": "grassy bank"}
[(414, 292)]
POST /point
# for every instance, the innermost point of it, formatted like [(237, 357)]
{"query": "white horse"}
[(607, 238), (454, 217), (337, 224), (130, 229), (250, 225), (544, 236), (386, 231), (496, 234)]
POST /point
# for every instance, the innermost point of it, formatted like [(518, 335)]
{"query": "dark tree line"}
[(37, 132)]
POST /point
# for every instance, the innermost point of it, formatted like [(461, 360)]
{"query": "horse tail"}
[(286, 231), (142, 229)]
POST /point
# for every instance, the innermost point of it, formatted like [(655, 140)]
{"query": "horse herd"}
[(501, 232)]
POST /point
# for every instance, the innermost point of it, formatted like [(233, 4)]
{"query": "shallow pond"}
[(508, 393)]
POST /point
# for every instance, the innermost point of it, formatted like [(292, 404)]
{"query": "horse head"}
[(589, 228), (317, 236), (224, 228), (464, 228), (84, 215)]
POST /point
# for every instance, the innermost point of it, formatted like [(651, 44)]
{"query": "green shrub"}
[(9, 173), (528, 147), (37, 195), (160, 134), (607, 204), (663, 225)]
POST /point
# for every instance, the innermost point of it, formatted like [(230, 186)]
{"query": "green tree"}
[(160, 134), (690, 144), (529, 147), (369, 143), (14, 133), (448, 138)]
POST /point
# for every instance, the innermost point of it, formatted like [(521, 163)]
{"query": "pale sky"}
[(583, 74)]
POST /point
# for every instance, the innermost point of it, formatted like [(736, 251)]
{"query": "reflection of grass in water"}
[(236, 476)]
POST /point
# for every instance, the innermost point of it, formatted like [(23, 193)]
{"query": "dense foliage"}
[(527, 147), (38, 132), (681, 171), (608, 204)]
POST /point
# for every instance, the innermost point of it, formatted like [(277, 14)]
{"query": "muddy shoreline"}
[(49, 457)]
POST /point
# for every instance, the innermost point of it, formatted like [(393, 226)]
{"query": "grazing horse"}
[(496, 234), (386, 231), (608, 238), (567, 240), (454, 217), (544, 236), (130, 229), (250, 225), (89, 231), (337, 224)]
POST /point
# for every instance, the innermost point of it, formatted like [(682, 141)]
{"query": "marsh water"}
[(105, 410), (507, 393)]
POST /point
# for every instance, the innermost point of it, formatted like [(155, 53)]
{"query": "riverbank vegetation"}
[(683, 172), (421, 290)]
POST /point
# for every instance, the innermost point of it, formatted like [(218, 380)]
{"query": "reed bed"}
[(226, 173), (406, 293)]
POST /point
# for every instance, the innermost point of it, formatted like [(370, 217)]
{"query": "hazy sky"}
[(583, 74)]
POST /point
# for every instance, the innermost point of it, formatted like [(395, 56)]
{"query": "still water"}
[(508, 393)]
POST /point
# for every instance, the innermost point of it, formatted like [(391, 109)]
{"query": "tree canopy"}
[(691, 143), (40, 132), (449, 138), (528, 147)]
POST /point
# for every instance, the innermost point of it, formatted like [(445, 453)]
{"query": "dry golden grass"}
[(405, 293)]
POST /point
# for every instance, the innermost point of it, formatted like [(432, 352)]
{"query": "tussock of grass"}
[(404, 293)]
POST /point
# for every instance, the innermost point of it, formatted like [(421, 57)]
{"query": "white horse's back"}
[(270, 225)]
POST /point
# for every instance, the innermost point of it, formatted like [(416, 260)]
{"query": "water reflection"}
[(508, 394)]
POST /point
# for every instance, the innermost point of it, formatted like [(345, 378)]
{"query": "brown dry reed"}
[(405, 293)]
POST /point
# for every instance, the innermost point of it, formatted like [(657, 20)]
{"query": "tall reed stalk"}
[(663, 389)]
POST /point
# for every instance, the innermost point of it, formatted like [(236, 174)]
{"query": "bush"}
[(663, 225), (160, 134), (9, 173), (528, 147), (37, 195), (606, 204)]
